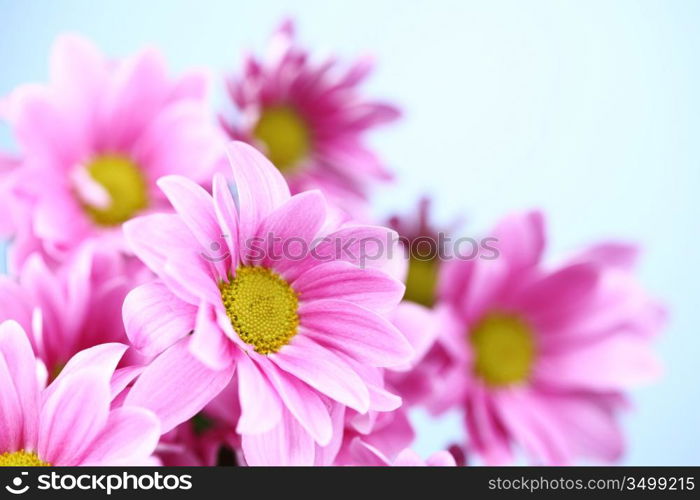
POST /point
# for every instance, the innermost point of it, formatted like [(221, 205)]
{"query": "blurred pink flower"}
[(309, 118), (541, 357), (72, 307), (368, 456), (95, 139), (70, 422), (299, 332)]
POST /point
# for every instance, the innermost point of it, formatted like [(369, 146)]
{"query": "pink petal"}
[(130, 436), (324, 371), (72, 415), (208, 342), (104, 356), (155, 319), (19, 396), (441, 459), (355, 330), (613, 363), (521, 240), (152, 237), (341, 280), (302, 402), (289, 230), (261, 187), (227, 215), (176, 385), (196, 209), (287, 443), (261, 409)]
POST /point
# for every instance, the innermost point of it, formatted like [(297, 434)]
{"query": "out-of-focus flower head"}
[(310, 119), (72, 421), (93, 141), (541, 358), (70, 307)]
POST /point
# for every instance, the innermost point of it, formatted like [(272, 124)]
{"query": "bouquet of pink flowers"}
[(187, 287)]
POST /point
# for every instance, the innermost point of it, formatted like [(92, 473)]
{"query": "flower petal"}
[(301, 401), (363, 334), (341, 280), (130, 436), (261, 408), (261, 187), (155, 319), (73, 414), (176, 385), (324, 371)]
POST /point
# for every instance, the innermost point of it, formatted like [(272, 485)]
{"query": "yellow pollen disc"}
[(126, 186), (285, 135), (262, 307), (21, 459), (504, 350), (421, 281)]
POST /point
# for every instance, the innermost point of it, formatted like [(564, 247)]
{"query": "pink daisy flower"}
[(70, 422), (95, 139), (538, 357), (302, 328), (310, 119), (72, 307)]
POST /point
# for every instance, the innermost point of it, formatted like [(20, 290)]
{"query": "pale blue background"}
[(589, 110)]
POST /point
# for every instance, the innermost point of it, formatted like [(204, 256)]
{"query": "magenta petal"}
[(361, 333), (261, 188), (152, 237), (208, 342), (261, 409), (289, 231), (441, 459), (227, 215), (344, 281), (176, 385), (104, 356), (367, 455), (301, 401), (287, 443), (155, 319), (130, 436), (73, 414), (196, 209), (324, 371), (521, 240), (620, 362), (19, 393)]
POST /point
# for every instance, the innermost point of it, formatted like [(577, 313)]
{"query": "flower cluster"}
[(184, 290)]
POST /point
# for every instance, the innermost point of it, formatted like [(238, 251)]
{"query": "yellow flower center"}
[(285, 135), (262, 307), (126, 186), (504, 350), (421, 281), (21, 458)]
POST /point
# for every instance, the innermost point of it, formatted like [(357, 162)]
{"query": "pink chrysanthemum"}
[(95, 139), (70, 422), (537, 357), (73, 307), (302, 328), (309, 118)]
